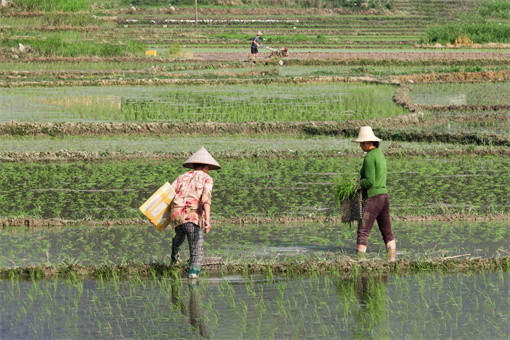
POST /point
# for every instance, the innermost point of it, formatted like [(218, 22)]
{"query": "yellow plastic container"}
[(157, 208), (151, 52)]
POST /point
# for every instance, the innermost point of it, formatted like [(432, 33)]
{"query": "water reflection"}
[(195, 307), (370, 309)]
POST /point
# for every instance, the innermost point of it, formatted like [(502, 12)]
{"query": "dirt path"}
[(419, 55)]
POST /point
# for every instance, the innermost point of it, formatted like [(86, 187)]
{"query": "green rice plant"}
[(495, 9), (479, 33), (53, 5), (345, 187)]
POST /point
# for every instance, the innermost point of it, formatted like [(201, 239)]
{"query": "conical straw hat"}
[(259, 33), (366, 135), (202, 157)]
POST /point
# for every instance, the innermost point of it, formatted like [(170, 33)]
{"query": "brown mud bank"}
[(246, 220), (299, 59), (15, 79), (344, 266), (66, 156), (345, 129), (270, 77), (455, 77)]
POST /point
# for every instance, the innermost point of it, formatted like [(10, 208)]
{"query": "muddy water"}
[(248, 243), (426, 306)]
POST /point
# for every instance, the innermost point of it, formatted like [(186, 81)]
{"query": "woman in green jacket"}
[(377, 205)]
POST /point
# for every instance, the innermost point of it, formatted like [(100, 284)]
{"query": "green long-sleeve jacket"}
[(373, 173)]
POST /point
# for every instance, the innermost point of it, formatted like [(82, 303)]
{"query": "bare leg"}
[(391, 248)]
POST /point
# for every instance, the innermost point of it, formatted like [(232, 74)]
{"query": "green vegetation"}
[(479, 33), (56, 46), (247, 187), (224, 103), (495, 9), (345, 188), (53, 5), (271, 306)]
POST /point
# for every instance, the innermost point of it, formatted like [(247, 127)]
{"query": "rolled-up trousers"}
[(377, 208)]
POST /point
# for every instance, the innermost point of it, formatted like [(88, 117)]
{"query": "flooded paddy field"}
[(139, 243), (91, 127), (461, 94), (449, 305), (251, 187), (225, 103)]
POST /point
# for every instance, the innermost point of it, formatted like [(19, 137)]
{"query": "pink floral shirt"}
[(192, 190)]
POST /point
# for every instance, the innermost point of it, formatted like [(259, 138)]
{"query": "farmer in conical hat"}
[(373, 183), (191, 208), (255, 45)]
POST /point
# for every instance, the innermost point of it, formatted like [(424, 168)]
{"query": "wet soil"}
[(346, 266), (346, 129), (242, 220), (420, 57), (435, 55), (393, 150)]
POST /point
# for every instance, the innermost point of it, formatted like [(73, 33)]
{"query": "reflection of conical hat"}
[(202, 157), (366, 135)]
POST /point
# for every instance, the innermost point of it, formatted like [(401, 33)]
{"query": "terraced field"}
[(91, 126)]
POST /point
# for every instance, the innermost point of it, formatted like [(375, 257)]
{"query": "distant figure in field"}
[(255, 45)]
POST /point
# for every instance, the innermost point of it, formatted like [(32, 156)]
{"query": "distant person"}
[(255, 45), (377, 205), (191, 208)]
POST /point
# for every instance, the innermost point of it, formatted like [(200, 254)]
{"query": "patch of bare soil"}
[(216, 266), (437, 56)]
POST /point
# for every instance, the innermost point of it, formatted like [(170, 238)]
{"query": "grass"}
[(53, 5), (56, 46)]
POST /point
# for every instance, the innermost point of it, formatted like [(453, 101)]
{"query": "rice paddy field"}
[(91, 126)]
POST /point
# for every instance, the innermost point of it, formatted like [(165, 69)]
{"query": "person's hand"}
[(152, 222), (207, 228)]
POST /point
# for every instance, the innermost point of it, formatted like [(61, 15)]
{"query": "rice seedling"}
[(345, 187)]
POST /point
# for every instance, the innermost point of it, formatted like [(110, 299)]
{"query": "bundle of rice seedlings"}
[(345, 188)]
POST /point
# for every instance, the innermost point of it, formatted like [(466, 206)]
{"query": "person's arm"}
[(207, 210), (369, 168), (206, 203)]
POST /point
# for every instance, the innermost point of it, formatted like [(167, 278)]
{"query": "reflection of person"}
[(196, 317), (191, 208), (370, 292), (255, 45), (377, 205)]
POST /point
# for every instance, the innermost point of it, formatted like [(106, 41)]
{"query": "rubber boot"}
[(193, 271)]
